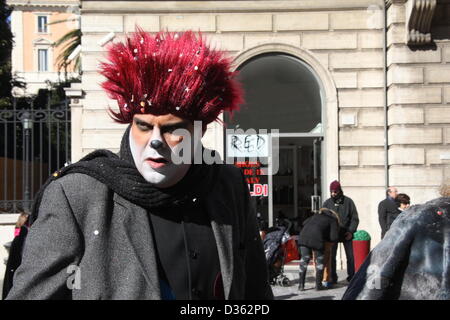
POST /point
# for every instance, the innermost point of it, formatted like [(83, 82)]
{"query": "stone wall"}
[(419, 109), (346, 40)]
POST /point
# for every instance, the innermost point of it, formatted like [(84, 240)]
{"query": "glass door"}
[(295, 181), (284, 187), (284, 177)]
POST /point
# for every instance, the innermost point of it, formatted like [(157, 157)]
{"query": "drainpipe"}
[(385, 104)]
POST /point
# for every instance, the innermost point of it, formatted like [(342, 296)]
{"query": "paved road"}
[(292, 293)]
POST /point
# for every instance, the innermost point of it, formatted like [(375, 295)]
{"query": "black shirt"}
[(186, 252)]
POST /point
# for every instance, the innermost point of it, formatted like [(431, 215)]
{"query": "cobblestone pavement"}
[(291, 292)]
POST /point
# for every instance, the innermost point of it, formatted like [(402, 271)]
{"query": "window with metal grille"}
[(42, 60)]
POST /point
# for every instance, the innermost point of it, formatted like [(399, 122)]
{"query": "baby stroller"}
[(275, 248)]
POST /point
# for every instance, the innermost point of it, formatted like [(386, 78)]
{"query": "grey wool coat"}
[(90, 243), (412, 262)]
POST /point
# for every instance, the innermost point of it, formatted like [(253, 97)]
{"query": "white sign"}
[(248, 145)]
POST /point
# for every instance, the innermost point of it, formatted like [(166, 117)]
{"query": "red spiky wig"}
[(169, 72)]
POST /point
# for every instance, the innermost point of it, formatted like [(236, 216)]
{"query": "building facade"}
[(381, 97), (34, 59)]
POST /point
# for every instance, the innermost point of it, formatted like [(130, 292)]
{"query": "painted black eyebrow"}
[(142, 122), (176, 125)]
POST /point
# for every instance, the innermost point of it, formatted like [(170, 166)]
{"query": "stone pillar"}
[(17, 51), (418, 101), (76, 107)]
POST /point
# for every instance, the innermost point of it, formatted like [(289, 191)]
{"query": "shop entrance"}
[(290, 189), (295, 190), (284, 97)]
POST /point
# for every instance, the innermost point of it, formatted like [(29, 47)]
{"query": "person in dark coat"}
[(15, 252), (163, 218), (348, 216), (412, 260), (388, 210), (403, 202), (321, 227)]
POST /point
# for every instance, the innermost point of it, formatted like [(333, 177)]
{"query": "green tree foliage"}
[(69, 42)]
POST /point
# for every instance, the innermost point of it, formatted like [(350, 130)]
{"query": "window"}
[(43, 60), (281, 92), (42, 24)]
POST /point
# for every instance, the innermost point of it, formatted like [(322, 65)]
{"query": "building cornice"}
[(419, 14), (396, 2), (43, 2), (180, 7), (30, 5), (42, 41)]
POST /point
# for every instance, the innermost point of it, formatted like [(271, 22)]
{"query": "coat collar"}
[(136, 225), (141, 239), (222, 227)]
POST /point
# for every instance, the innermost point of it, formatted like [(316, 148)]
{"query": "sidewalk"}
[(291, 292)]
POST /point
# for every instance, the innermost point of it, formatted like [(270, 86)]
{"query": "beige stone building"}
[(370, 78), (34, 58)]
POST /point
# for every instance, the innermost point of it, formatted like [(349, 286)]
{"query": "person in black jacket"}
[(403, 202), (322, 226), (348, 215), (388, 210), (164, 218), (15, 252)]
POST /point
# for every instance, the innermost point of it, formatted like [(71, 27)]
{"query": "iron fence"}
[(35, 143)]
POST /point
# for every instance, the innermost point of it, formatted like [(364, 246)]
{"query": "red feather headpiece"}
[(173, 73)]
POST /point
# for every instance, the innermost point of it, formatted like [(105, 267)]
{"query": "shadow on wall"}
[(440, 26), (439, 29)]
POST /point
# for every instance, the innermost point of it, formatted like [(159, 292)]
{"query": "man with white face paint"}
[(142, 224), (153, 156)]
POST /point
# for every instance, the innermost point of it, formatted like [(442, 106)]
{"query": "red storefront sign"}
[(252, 172)]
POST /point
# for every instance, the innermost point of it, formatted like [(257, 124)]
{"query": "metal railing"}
[(34, 142)]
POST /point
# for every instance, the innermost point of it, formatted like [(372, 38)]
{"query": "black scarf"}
[(119, 173)]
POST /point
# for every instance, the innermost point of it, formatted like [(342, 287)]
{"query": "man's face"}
[(334, 193), (393, 192), (154, 161)]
